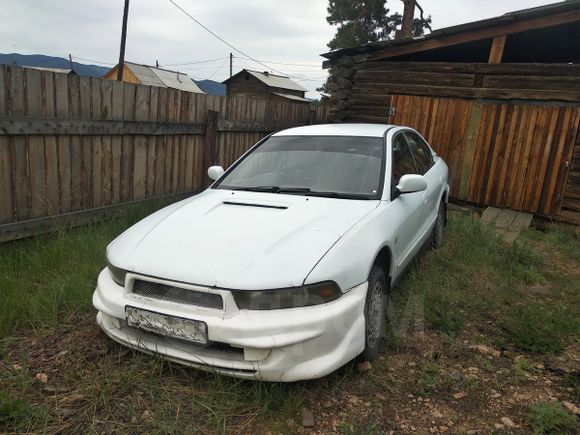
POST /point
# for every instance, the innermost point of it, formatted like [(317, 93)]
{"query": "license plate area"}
[(193, 331)]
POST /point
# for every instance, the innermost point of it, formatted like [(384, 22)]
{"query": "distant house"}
[(255, 84), (153, 76)]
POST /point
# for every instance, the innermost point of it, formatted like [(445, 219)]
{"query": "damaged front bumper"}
[(277, 345)]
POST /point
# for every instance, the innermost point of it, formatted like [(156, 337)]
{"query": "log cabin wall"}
[(507, 131)]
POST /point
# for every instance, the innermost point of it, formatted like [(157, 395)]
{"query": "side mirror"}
[(215, 172), (412, 183)]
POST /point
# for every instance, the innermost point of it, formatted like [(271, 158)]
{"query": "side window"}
[(421, 151), (403, 162)]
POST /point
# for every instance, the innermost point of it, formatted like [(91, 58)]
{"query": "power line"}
[(222, 39), (94, 61), (291, 64), (195, 63), (215, 72)]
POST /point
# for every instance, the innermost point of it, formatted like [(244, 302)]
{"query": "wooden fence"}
[(71, 147), (504, 154)]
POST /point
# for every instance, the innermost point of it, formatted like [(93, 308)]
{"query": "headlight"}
[(314, 294), (117, 274)]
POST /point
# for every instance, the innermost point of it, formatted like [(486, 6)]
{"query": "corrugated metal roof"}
[(163, 78), (176, 80), (54, 70), (272, 80), (521, 15), (291, 97)]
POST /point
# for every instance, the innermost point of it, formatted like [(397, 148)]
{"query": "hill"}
[(211, 87)]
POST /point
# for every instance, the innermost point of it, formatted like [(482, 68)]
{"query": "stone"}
[(459, 395), (571, 407), (364, 366), (307, 418), (381, 397), (506, 421), (41, 377), (17, 367), (437, 414)]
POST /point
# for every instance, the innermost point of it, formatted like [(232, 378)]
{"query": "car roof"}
[(364, 130)]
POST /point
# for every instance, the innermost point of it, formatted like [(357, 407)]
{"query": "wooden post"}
[(231, 64), (210, 144), (496, 52)]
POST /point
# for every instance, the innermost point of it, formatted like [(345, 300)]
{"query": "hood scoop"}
[(248, 204)]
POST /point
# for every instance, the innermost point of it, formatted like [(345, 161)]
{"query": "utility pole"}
[(70, 61), (231, 64), (123, 41)]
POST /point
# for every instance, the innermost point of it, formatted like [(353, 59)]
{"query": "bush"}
[(550, 418)]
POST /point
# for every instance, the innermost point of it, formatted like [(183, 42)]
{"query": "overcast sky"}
[(284, 31)]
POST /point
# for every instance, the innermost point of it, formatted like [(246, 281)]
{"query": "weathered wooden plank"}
[(30, 126), (50, 148), (473, 126), (141, 146), (117, 141), (19, 147), (152, 143), (86, 145), (127, 148), (468, 92), (497, 47), (525, 69), (76, 148), (96, 145), (6, 199), (210, 143)]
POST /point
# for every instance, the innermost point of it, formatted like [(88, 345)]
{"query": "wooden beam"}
[(476, 35), (25, 125), (471, 92), (497, 47)]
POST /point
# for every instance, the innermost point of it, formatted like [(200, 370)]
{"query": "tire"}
[(437, 239), (375, 314)]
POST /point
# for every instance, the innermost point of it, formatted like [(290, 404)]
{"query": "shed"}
[(499, 99), (256, 84), (153, 76)]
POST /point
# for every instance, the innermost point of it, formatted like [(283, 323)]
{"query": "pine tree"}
[(365, 21)]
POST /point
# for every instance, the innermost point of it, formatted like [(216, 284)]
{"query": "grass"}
[(551, 418), (478, 276), (47, 277), (522, 296)]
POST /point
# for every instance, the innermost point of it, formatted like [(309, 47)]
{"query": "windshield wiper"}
[(273, 189), (340, 195)]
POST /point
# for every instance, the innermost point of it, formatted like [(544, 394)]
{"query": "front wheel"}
[(375, 312), (439, 227)]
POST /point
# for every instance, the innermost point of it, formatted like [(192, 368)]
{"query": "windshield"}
[(338, 166)]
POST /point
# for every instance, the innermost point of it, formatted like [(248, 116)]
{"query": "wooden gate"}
[(501, 154)]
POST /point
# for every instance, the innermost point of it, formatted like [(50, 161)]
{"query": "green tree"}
[(364, 21)]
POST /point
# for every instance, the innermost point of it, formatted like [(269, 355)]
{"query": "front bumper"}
[(278, 345)]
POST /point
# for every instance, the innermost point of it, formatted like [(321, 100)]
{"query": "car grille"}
[(180, 295)]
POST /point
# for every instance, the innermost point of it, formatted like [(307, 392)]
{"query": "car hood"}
[(237, 240)]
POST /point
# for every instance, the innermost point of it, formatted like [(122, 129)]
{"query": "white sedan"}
[(281, 269)]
